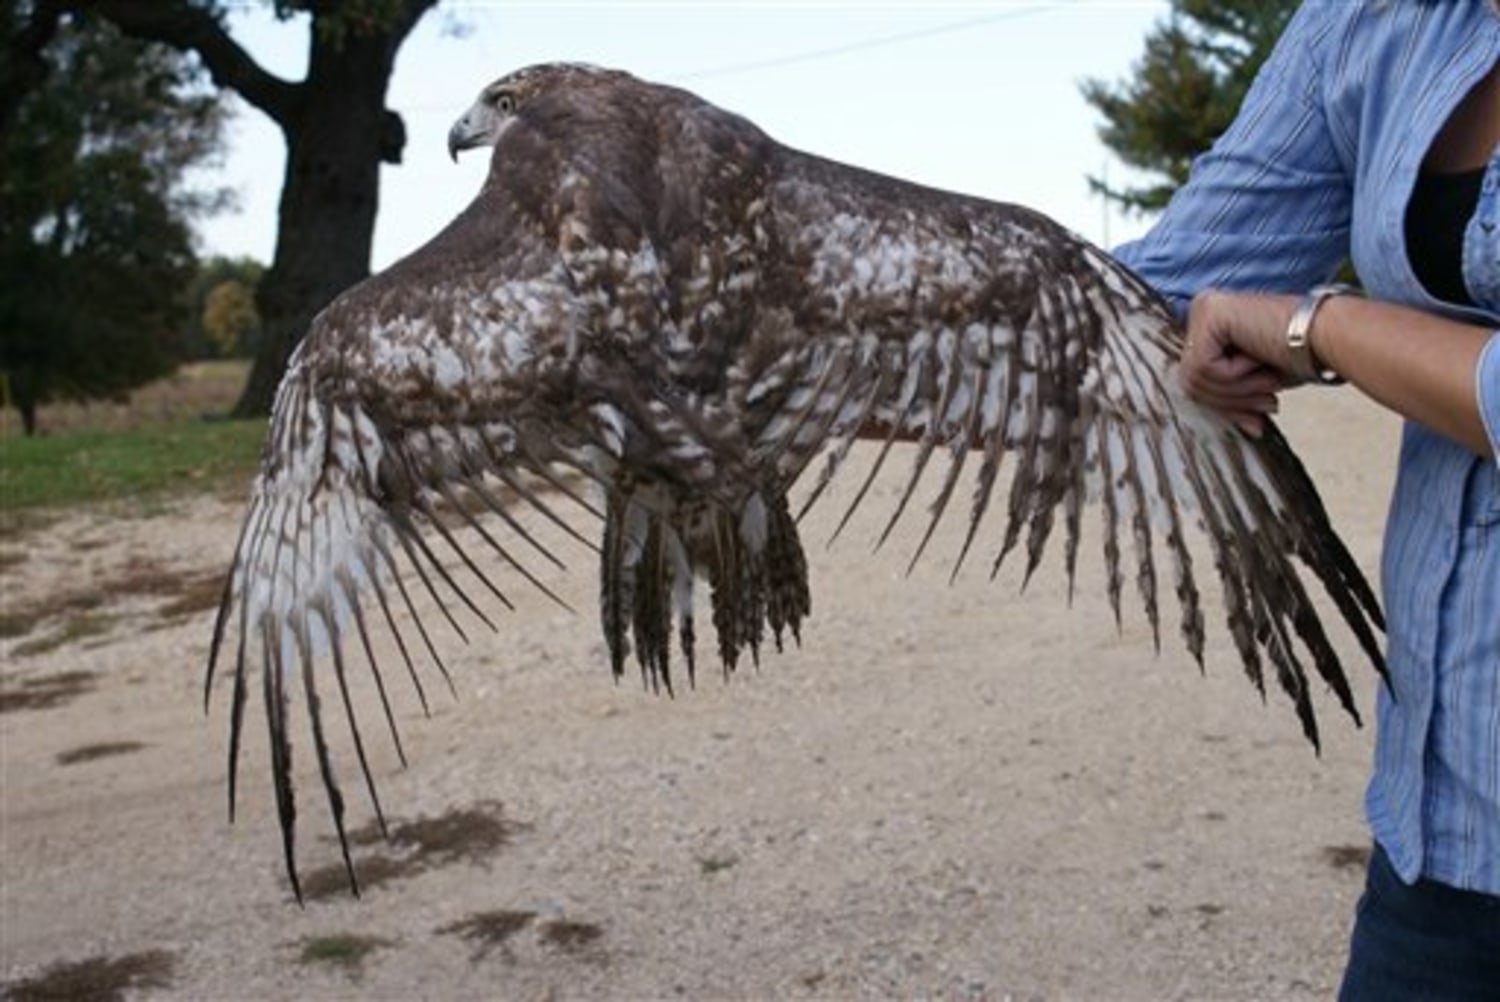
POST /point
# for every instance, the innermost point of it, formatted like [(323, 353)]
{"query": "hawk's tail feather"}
[(784, 564), (753, 562), (618, 560), (652, 619)]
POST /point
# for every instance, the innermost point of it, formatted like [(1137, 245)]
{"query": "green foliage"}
[(342, 949), (148, 461), (229, 315), (352, 18), (1185, 91), (95, 242)]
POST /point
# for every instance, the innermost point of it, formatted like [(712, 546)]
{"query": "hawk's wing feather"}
[(1065, 367), (650, 291)]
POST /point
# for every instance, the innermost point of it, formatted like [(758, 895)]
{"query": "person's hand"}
[(1235, 360)]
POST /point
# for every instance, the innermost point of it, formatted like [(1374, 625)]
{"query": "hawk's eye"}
[(504, 103)]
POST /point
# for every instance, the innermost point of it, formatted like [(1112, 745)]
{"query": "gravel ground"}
[(960, 791)]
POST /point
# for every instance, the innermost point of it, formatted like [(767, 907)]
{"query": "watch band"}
[(1304, 365)]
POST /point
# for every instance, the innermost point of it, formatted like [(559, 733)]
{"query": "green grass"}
[(85, 466), (342, 949)]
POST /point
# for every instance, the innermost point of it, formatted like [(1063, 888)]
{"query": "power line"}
[(813, 55)]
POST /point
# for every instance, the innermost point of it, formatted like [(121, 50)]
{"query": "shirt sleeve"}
[(1487, 389), (1268, 207)]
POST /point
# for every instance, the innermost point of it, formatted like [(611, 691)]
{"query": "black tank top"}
[(1436, 217)]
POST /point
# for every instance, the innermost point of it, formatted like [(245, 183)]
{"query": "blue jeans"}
[(1424, 941)]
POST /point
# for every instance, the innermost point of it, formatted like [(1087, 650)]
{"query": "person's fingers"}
[(1253, 425), (1238, 375), (1260, 404), (1256, 390)]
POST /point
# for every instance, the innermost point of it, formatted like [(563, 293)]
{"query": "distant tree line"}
[(57, 110), (96, 240)]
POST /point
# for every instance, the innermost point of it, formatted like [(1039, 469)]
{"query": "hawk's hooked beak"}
[(475, 127)]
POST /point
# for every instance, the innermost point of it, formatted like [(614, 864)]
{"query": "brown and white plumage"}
[(650, 290)]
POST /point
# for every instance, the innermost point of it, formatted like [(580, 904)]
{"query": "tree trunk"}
[(23, 396), (338, 132), (336, 140)]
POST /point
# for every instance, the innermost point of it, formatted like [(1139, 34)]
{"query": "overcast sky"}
[(976, 97)]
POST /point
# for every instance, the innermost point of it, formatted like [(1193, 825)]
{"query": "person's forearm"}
[(1420, 365)]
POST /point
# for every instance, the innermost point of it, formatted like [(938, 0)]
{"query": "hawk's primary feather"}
[(650, 290)]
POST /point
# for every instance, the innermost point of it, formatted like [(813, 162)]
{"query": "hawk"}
[(652, 292)]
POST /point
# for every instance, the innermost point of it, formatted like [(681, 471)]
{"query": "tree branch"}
[(392, 128), (406, 20), (183, 26)]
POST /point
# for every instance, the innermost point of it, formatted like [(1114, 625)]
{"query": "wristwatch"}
[(1299, 350)]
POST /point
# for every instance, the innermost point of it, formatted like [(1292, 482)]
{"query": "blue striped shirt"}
[(1317, 168)]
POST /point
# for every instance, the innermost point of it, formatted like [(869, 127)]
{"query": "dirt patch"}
[(75, 628), (76, 614), (99, 979), (460, 835), (197, 593), (16, 623), (47, 691), (372, 870), (572, 937), (489, 930), (1346, 857), (103, 749), (15, 526)]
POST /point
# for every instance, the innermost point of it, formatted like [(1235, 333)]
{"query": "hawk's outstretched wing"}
[(651, 291)]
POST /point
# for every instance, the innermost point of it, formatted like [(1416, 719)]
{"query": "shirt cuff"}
[(1487, 390)]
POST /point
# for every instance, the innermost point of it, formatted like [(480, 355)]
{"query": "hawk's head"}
[(497, 106)]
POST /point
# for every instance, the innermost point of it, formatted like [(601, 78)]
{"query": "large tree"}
[(338, 132), (1184, 91), (95, 222)]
